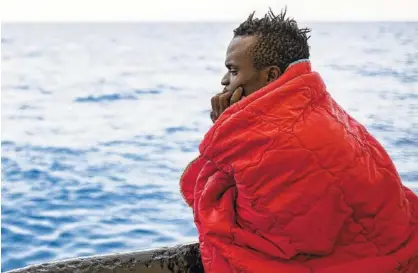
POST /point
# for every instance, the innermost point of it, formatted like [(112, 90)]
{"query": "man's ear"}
[(273, 73)]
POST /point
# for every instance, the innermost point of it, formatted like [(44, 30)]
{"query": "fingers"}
[(236, 96), (224, 101), (220, 102), (213, 101), (212, 116)]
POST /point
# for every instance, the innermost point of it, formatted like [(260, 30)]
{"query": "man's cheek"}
[(234, 85), (237, 82)]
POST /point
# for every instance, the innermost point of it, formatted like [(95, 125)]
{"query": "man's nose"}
[(225, 80)]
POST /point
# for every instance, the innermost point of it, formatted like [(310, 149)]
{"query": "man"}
[(286, 180)]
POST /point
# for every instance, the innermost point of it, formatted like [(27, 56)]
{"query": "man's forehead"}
[(239, 47)]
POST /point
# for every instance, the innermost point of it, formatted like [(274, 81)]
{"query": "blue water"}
[(99, 120)]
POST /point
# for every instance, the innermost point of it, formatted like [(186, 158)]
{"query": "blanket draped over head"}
[(286, 181)]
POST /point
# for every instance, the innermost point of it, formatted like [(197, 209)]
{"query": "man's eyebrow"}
[(230, 65)]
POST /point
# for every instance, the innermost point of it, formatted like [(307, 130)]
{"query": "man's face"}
[(239, 62)]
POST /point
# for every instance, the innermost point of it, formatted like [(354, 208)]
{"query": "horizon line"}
[(193, 21)]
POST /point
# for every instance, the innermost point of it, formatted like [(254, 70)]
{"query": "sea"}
[(98, 121)]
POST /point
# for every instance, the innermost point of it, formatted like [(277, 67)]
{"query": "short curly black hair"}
[(280, 42)]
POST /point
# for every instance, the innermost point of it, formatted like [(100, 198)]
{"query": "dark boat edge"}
[(180, 258)]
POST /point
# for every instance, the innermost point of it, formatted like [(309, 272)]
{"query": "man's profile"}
[(286, 180)]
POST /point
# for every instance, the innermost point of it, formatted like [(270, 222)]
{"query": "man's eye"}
[(233, 72)]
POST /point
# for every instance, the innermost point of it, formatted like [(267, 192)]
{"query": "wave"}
[(116, 96)]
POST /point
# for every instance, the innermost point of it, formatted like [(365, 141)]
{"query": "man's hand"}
[(223, 100)]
